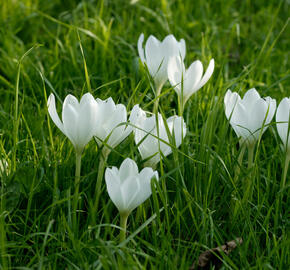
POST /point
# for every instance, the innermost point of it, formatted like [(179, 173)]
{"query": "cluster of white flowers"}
[(251, 116), (155, 136)]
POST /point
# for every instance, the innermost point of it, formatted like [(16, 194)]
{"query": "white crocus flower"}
[(147, 133), (187, 81), (79, 119), (111, 122), (112, 128), (282, 119), (128, 188), (157, 54), (249, 116)]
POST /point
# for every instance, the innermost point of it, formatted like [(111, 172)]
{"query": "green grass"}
[(78, 46)]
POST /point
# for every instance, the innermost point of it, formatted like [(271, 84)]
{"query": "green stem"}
[(240, 159), (156, 103), (248, 188), (180, 105), (250, 156), (102, 165), (234, 202), (77, 185), (123, 225), (280, 199), (285, 169)]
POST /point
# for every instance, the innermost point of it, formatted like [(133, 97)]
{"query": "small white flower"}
[(127, 187), (157, 54), (282, 119), (146, 135), (187, 82), (111, 123), (249, 116), (79, 119)]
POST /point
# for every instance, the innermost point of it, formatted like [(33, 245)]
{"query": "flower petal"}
[(53, 113), (230, 101), (250, 98), (153, 54), (182, 48), (144, 180), (206, 75), (128, 169), (192, 78), (176, 71), (87, 119), (70, 115), (140, 48), (114, 188), (282, 119)]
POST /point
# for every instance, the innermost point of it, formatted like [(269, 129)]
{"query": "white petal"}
[(70, 119), (128, 169), (153, 54), (206, 75), (170, 47), (136, 115), (176, 71), (239, 121), (72, 101), (114, 188), (145, 191), (271, 109), (230, 101), (149, 144), (117, 116), (282, 119), (70, 115), (140, 48), (177, 128), (250, 98), (192, 78), (182, 48), (257, 116), (86, 99), (130, 189), (87, 119), (53, 113)]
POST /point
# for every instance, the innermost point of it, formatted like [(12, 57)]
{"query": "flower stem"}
[(240, 159), (156, 103), (250, 156), (77, 185), (180, 106), (282, 186), (234, 202), (123, 225), (249, 185), (285, 169), (102, 164)]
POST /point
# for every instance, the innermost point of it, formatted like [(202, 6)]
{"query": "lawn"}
[(198, 203)]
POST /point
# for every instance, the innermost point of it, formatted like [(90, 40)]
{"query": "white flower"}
[(146, 135), (157, 54), (282, 119), (111, 123), (187, 82), (249, 116), (78, 118), (127, 187)]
